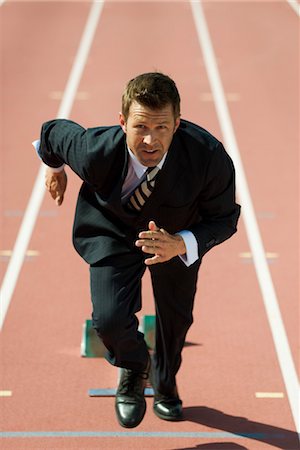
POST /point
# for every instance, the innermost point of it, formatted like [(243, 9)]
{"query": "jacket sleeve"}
[(63, 142), (85, 151), (218, 208)]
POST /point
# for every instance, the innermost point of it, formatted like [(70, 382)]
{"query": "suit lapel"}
[(121, 172)]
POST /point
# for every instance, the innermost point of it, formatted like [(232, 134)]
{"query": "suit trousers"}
[(116, 298)]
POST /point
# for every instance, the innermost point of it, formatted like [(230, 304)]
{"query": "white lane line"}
[(15, 264), (253, 233), (5, 393), (269, 394), (295, 6)]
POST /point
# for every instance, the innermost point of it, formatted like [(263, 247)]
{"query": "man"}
[(159, 192)]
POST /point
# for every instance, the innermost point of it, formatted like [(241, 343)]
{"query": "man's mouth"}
[(150, 150)]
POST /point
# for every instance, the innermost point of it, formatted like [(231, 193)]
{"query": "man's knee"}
[(107, 326)]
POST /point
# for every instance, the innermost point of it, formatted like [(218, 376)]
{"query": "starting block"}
[(112, 392), (148, 392), (92, 347)]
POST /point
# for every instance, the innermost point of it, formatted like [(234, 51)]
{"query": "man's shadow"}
[(216, 446), (241, 426)]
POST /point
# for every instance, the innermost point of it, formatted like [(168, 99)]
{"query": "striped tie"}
[(144, 190)]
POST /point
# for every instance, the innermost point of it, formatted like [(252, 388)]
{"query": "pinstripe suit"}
[(195, 190)]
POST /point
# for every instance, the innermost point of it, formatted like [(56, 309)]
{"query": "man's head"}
[(150, 116), (153, 90)]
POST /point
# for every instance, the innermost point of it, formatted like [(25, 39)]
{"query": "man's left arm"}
[(217, 204), (219, 213)]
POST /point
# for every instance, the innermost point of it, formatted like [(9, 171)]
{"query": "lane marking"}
[(80, 95), (295, 6), (230, 97), (141, 434), (5, 393), (280, 339), (15, 264), (268, 255), (265, 215), (247, 257), (20, 213), (269, 394), (27, 253)]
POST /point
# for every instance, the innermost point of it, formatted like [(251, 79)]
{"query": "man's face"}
[(149, 132)]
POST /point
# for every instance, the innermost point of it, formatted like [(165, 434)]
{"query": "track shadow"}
[(241, 426), (216, 446)]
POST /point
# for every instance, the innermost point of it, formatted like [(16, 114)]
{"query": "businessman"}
[(158, 192)]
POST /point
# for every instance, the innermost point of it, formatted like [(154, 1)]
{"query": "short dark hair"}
[(154, 90)]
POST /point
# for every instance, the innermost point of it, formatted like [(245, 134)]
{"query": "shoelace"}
[(129, 381)]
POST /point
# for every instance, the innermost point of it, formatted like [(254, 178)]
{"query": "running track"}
[(238, 78)]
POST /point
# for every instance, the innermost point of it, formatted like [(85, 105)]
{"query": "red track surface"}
[(233, 356)]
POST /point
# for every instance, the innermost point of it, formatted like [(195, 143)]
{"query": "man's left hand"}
[(160, 243)]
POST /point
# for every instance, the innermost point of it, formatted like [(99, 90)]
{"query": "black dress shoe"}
[(167, 408), (130, 402)]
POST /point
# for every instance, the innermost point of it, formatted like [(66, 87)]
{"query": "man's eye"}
[(142, 127)]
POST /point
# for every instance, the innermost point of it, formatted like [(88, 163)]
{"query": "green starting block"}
[(148, 328), (93, 347)]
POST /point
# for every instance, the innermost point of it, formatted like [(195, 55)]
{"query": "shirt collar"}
[(138, 167)]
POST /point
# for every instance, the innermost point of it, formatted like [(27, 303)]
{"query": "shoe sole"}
[(169, 418)]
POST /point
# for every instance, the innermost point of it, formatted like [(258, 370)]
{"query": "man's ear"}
[(122, 122), (177, 123)]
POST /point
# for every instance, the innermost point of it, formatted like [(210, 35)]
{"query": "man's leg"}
[(174, 287), (116, 298)]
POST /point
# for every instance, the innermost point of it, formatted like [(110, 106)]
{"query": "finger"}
[(52, 186), (59, 199), (53, 193), (48, 185), (152, 226), (149, 235), (151, 249), (151, 243), (154, 260)]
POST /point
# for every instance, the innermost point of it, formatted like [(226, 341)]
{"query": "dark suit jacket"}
[(195, 190)]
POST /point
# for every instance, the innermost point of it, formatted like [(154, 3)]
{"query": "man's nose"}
[(149, 138)]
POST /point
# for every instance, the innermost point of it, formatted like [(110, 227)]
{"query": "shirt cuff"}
[(36, 145), (191, 245)]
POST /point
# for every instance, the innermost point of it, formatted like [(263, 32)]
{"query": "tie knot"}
[(151, 173)]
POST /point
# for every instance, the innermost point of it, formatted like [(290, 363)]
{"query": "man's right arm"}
[(55, 179), (55, 149), (63, 142), (87, 152), (56, 184)]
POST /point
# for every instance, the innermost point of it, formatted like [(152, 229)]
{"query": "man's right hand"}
[(56, 184)]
